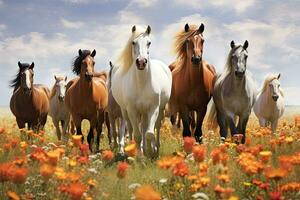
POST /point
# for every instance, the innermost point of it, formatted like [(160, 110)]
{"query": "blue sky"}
[(51, 32)]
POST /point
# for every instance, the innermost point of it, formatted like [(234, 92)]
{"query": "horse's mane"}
[(269, 78), (125, 59), (16, 82), (180, 45), (76, 66)]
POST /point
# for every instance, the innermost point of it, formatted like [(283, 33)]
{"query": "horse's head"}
[(26, 76), (274, 86), (140, 48), (87, 63), (194, 44), (60, 86), (239, 58)]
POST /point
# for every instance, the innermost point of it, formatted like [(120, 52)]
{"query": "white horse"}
[(115, 114), (58, 110), (142, 88), (269, 105), (234, 93)]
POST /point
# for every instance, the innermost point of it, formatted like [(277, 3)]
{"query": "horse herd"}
[(139, 92)]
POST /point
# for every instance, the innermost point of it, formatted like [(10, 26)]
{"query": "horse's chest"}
[(236, 104)]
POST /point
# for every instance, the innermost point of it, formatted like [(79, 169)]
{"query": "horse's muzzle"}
[(61, 99), (239, 74), (275, 97), (88, 76), (141, 63), (27, 90), (196, 60)]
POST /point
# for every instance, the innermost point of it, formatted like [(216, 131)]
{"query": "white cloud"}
[(71, 24), (2, 28), (143, 3), (237, 5), (292, 95)]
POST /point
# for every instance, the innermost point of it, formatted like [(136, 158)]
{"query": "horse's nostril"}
[(146, 61)]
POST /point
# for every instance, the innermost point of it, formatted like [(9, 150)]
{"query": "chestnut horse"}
[(86, 96), (192, 85), (29, 102)]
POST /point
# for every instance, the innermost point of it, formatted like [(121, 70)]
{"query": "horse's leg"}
[(90, 136), (242, 125), (21, 123), (178, 121), (112, 132), (200, 118), (232, 126), (77, 121), (99, 125), (223, 125), (122, 135), (144, 126), (151, 146), (65, 125), (173, 119), (274, 125), (129, 126), (56, 124), (186, 123), (262, 122), (158, 126), (107, 123), (193, 121), (133, 120)]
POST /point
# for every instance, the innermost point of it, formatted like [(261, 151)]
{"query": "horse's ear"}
[(79, 52), (278, 76), (19, 64), (186, 27), (55, 77), (201, 28), (110, 64), (93, 53), (133, 29), (31, 66), (232, 44), (245, 46), (66, 78), (148, 31)]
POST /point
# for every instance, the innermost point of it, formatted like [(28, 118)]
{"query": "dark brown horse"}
[(87, 95), (29, 102), (192, 84)]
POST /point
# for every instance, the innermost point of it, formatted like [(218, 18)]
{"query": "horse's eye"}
[(279, 85), (133, 43), (149, 43)]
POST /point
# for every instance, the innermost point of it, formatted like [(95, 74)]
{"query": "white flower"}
[(163, 181), (93, 170), (200, 196), (134, 185)]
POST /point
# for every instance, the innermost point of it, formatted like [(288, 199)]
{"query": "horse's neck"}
[(194, 74), (142, 77), (236, 84), (85, 86), (267, 98)]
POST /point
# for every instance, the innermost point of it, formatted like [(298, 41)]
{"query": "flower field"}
[(37, 166)]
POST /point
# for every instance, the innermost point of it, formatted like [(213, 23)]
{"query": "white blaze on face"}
[(141, 47), (27, 81), (62, 88)]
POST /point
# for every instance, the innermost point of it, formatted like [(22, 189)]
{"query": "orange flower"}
[(146, 192), (216, 155), (276, 174), (77, 140), (188, 143), (2, 130), (181, 169), (47, 170), (131, 150), (5, 172), (224, 178), (18, 174), (84, 148), (53, 157), (265, 155), (74, 190), (203, 168), (60, 173), (220, 191), (122, 169), (199, 153), (292, 186), (73, 177), (12, 195), (107, 155), (39, 155)]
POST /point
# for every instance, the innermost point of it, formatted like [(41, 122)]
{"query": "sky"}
[(51, 32)]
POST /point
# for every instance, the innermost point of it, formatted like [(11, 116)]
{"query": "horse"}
[(192, 79), (87, 95), (269, 105), (29, 102), (234, 94), (58, 109), (114, 113), (142, 88)]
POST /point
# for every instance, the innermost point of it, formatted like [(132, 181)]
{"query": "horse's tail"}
[(212, 117)]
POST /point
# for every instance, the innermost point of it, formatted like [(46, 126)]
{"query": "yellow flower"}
[(247, 184), (92, 182), (72, 163), (233, 198), (289, 140)]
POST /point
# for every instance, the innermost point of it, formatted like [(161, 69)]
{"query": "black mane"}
[(76, 66), (16, 82)]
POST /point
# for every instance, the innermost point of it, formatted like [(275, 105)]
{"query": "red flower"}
[(18, 174), (5, 171), (181, 169), (122, 169), (275, 195), (83, 160), (107, 155), (199, 153), (84, 148), (188, 143)]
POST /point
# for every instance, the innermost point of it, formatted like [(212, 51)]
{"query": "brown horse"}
[(192, 84), (87, 95), (29, 102)]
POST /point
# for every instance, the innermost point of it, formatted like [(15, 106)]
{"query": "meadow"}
[(37, 166)]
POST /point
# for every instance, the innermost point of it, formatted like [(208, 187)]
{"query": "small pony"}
[(58, 110), (269, 105), (87, 95), (29, 102)]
